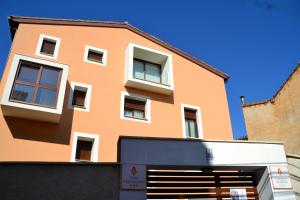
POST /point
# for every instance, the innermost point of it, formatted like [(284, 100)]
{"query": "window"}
[(34, 89), (83, 150), (36, 84), (135, 107), (80, 96), (48, 46), (85, 147), (95, 55), (191, 128), (191, 121), (147, 71)]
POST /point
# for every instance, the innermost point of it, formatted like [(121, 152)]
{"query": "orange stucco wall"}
[(22, 139)]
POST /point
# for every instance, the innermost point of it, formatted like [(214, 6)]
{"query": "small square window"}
[(80, 96), (85, 147), (83, 150), (95, 56), (48, 47), (134, 108)]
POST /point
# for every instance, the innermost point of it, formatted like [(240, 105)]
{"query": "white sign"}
[(280, 177), (133, 177), (238, 194)]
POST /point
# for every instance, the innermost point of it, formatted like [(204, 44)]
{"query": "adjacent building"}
[(77, 92), (277, 118)]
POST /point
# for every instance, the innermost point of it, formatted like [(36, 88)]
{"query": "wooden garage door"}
[(198, 184)]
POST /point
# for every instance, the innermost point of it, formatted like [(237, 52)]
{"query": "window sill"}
[(149, 86), (193, 138), (95, 61), (46, 54), (81, 107), (78, 108), (29, 111), (32, 104), (136, 119), (82, 161)]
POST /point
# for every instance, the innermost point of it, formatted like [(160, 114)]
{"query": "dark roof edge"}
[(15, 20), (272, 100)]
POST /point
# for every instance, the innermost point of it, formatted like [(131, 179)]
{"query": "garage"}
[(191, 183), (172, 168)]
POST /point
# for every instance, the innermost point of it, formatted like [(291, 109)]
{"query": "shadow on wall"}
[(44, 131), (154, 96)]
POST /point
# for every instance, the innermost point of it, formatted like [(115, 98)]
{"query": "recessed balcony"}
[(149, 69)]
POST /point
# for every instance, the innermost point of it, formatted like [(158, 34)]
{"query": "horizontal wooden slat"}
[(189, 183), (183, 187)]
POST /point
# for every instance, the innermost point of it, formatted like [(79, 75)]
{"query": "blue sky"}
[(257, 42)]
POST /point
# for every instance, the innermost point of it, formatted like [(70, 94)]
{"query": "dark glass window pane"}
[(139, 114), (128, 112), (28, 74), (187, 129), (135, 104), (48, 47), (83, 150), (49, 77), (191, 128), (190, 114), (152, 72), (46, 97), (138, 69), (79, 98), (23, 93), (95, 56)]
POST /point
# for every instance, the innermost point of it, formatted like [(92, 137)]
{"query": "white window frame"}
[(86, 137), (139, 98), (151, 55), (102, 51), (50, 38), (198, 120), (81, 87), (10, 82)]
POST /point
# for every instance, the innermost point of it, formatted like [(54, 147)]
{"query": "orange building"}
[(70, 88)]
